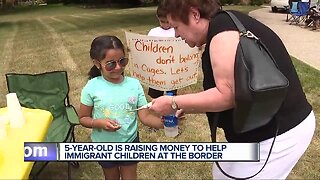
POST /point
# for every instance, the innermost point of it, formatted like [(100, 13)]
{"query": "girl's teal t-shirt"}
[(113, 101)]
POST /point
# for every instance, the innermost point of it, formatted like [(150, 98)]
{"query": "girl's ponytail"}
[(94, 72)]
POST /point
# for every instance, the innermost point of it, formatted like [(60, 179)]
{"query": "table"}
[(12, 165)]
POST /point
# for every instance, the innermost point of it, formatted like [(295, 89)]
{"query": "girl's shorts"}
[(111, 164)]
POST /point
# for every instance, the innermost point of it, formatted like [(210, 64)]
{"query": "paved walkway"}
[(302, 43)]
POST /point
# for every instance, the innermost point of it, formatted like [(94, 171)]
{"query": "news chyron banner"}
[(162, 63), (141, 152)]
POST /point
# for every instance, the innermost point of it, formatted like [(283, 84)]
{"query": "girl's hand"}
[(150, 119), (107, 124), (180, 114)]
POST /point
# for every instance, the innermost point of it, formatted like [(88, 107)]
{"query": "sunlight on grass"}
[(53, 37)]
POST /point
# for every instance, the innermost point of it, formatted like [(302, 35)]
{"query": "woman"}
[(199, 22)]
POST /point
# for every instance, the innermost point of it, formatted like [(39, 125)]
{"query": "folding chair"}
[(313, 17), (302, 13), (48, 91), (293, 9)]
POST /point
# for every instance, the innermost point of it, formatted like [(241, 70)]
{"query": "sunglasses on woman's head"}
[(110, 65)]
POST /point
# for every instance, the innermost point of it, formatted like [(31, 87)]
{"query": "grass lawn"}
[(56, 37)]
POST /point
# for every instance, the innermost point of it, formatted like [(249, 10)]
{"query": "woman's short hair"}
[(178, 8)]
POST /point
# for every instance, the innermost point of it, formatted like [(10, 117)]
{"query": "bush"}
[(134, 2), (225, 2), (131, 3), (256, 2)]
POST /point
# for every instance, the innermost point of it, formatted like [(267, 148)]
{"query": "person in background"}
[(107, 100), (199, 22), (164, 30)]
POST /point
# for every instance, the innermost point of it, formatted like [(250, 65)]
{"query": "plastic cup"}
[(15, 113), (3, 127)]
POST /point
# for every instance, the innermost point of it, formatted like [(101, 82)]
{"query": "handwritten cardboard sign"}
[(162, 63)]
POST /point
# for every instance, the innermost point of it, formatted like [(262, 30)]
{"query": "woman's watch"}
[(174, 105)]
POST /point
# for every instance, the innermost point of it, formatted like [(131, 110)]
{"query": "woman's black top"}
[(295, 107)]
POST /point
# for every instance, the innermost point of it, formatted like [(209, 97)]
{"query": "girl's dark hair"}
[(98, 50), (178, 8)]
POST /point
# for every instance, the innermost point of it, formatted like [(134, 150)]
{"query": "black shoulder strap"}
[(236, 21)]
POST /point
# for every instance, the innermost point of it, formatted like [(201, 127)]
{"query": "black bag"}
[(260, 88)]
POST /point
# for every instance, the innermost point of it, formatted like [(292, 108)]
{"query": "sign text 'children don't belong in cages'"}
[(162, 63)]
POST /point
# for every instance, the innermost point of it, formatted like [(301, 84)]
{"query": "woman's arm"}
[(150, 119), (222, 55), (86, 120)]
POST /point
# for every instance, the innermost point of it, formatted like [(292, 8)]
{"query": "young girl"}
[(106, 101)]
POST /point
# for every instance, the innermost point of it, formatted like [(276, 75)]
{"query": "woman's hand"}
[(106, 124), (162, 105)]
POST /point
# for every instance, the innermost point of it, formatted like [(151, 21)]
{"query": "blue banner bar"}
[(40, 151)]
